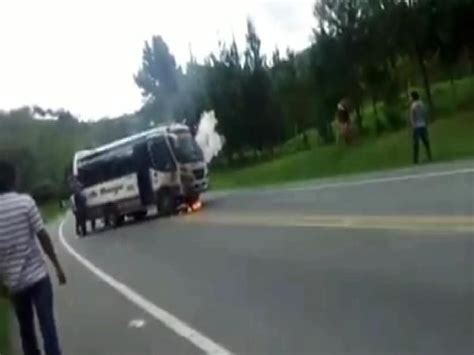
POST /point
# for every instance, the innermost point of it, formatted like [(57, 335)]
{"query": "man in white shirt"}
[(23, 271), (419, 124)]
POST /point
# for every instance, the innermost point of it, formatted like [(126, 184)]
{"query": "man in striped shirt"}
[(23, 271)]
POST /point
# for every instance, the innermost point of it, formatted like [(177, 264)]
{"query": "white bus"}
[(163, 166)]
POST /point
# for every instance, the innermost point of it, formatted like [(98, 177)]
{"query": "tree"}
[(345, 21), (254, 60), (157, 78), (224, 81), (259, 107), (293, 90), (420, 26), (328, 75), (453, 33)]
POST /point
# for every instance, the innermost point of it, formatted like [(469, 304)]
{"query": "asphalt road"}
[(374, 264)]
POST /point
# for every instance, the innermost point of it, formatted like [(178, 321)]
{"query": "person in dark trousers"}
[(419, 124), (24, 275), (80, 208)]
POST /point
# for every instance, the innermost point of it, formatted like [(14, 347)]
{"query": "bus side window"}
[(122, 167), (89, 175), (161, 156), (141, 157)]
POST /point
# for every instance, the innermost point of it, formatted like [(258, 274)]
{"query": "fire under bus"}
[(162, 167)]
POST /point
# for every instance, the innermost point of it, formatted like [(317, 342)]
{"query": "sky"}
[(81, 55)]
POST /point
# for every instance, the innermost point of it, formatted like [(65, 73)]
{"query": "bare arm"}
[(48, 248)]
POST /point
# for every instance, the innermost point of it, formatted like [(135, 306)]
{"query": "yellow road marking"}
[(413, 223)]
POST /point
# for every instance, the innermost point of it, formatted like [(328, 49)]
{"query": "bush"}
[(393, 116), (44, 192), (379, 126)]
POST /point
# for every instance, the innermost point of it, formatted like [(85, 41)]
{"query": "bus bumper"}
[(196, 187)]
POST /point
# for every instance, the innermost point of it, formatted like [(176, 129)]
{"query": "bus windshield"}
[(186, 149)]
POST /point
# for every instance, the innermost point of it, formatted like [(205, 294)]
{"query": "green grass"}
[(451, 136), (4, 322), (50, 210), (446, 105), (446, 101)]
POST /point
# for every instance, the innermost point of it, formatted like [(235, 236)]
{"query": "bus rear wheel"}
[(140, 215), (112, 218), (115, 220)]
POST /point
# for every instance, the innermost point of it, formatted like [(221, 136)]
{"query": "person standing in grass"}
[(23, 272), (419, 124)]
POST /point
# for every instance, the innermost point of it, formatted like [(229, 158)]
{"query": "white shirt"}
[(21, 260), (419, 115)]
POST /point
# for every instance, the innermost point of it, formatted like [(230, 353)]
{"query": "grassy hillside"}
[(446, 100), (451, 136)]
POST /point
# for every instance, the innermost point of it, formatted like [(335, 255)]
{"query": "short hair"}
[(415, 95), (7, 176)]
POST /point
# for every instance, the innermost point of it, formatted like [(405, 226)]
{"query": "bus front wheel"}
[(166, 203), (192, 199)]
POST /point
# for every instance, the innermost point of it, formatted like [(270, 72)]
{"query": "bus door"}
[(161, 157), (142, 161)]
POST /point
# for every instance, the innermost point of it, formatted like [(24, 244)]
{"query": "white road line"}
[(202, 342), (385, 179), (181, 328), (313, 186), (365, 182)]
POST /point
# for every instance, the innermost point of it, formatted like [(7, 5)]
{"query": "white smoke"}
[(207, 137)]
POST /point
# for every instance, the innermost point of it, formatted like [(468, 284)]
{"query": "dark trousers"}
[(81, 223), (37, 299), (420, 134)]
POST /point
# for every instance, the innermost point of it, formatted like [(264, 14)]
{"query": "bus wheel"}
[(140, 215), (166, 203), (192, 199), (115, 220), (120, 219), (106, 221), (112, 218)]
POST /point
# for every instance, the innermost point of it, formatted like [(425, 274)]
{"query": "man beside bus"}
[(80, 208)]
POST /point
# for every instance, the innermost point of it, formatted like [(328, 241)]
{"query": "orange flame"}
[(196, 206)]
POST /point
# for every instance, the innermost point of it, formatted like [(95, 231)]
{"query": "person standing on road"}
[(80, 207), (23, 271), (419, 124)]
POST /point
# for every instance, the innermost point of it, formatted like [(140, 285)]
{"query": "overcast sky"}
[(81, 54)]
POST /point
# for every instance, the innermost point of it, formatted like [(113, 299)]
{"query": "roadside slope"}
[(451, 139)]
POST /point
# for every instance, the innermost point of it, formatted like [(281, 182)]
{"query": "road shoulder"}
[(94, 319)]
